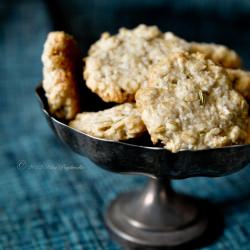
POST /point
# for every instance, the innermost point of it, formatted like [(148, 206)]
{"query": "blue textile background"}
[(50, 198)]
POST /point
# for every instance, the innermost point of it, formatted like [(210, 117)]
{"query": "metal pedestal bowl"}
[(155, 216)]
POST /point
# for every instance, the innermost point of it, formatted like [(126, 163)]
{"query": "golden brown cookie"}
[(191, 104), (117, 66), (219, 54), (60, 57), (121, 122), (241, 81)]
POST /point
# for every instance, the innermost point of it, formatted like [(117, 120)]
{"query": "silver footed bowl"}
[(155, 216)]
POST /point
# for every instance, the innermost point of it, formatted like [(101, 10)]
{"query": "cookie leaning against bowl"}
[(121, 122), (191, 104), (117, 66), (60, 58)]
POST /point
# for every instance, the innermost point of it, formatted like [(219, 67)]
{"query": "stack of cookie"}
[(186, 95)]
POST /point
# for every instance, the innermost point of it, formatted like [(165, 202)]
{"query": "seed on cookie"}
[(190, 104), (61, 56), (121, 122)]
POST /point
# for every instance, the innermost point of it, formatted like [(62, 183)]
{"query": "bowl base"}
[(155, 217)]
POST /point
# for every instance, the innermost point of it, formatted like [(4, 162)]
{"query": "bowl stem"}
[(155, 216)]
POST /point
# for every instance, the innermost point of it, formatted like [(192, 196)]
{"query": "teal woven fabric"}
[(50, 198)]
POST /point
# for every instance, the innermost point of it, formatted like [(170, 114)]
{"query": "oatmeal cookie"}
[(121, 122), (191, 104), (117, 66), (241, 81), (219, 54), (60, 59)]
